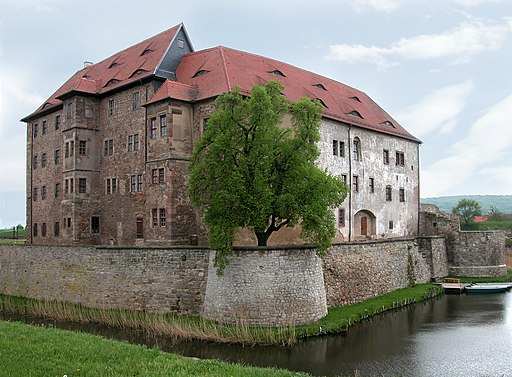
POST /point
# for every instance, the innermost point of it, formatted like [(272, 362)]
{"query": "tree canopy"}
[(249, 171), (467, 209)]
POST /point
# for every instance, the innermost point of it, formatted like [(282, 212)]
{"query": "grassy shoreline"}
[(37, 351), (496, 279), (337, 320)]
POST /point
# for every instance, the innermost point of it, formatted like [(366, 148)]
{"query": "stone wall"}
[(480, 254), (267, 287), (354, 272), (434, 248), (152, 279)]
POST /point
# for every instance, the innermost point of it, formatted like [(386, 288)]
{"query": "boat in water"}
[(489, 288)]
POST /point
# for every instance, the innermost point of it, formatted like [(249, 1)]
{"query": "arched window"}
[(356, 149)]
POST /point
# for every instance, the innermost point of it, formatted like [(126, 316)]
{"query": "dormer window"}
[(201, 72), (321, 102), (320, 86), (114, 64), (86, 77), (388, 123), (356, 114), (146, 51), (46, 105), (112, 82), (355, 99), (277, 72), (138, 72)]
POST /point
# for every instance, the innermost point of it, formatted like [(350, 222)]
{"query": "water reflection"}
[(450, 336)]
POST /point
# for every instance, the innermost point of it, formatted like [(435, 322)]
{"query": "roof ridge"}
[(224, 65)]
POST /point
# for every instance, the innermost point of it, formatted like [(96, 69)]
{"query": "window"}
[(335, 147), (114, 185), (205, 125), (82, 147), (109, 147), (44, 127), (82, 185), (72, 185), (34, 130), (139, 183), (344, 178), (133, 143), (154, 176), (386, 157), (57, 190), (95, 224), (34, 194), (162, 216), (56, 229), (181, 44), (153, 128), (356, 149), (163, 126), (108, 186), (132, 183), (400, 159), (341, 217), (401, 195), (135, 100), (111, 106), (43, 193), (342, 149), (388, 193), (390, 224), (161, 176), (56, 156), (43, 230), (34, 229), (57, 122), (66, 150), (355, 183), (69, 148), (35, 162), (372, 185), (139, 228), (154, 213), (69, 110), (43, 160), (66, 186), (67, 222)]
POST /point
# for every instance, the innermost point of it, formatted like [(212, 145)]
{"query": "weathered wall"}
[(152, 279), (357, 271), (480, 254), (267, 287), (434, 247)]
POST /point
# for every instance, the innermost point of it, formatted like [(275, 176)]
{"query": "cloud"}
[(488, 142), (377, 5), (460, 43), (474, 3), (438, 111), (45, 8)]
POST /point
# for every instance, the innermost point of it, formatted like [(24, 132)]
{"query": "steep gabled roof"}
[(217, 70), (123, 68)]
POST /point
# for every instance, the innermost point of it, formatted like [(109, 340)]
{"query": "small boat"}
[(488, 288)]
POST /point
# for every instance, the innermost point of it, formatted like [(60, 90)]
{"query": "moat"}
[(452, 335)]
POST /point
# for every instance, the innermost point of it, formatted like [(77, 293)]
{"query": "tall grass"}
[(189, 327)]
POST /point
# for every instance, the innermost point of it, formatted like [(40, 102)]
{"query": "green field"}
[(489, 225), (7, 233), (27, 350)]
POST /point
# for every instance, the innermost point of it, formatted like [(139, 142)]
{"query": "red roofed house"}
[(108, 152)]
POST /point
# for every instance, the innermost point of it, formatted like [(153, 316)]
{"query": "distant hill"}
[(446, 203)]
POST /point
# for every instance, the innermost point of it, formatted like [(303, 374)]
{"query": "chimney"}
[(87, 64)]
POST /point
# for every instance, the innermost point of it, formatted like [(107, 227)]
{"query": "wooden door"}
[(364, 226)]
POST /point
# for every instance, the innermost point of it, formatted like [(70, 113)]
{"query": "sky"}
[(441, 68)]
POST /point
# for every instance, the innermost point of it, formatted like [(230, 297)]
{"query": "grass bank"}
[(27, 350), (186, 327), (498, 279)]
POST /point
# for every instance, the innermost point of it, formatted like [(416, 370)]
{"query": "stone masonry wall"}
[(434, 248), (480, 254), (152, 279), (354, 272), (267, 287)]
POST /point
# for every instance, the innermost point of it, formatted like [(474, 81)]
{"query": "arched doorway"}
[(364, 225)]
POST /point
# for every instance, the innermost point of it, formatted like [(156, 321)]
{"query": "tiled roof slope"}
[(132, 64), (211, 72)]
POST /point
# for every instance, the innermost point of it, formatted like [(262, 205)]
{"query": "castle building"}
[(108, 152)]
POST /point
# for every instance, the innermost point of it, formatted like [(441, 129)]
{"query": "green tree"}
[(249, 171), (496, 215), (466, 210)]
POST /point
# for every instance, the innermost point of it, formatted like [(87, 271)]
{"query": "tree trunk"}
[(262, 238)]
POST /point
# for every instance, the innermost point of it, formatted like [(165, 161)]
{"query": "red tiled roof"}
[(218, 70), (134, 63)]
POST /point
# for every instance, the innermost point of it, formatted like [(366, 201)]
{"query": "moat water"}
[(468, 335)]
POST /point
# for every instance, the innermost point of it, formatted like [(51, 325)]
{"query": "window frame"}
[(389, 193), (95, 225)]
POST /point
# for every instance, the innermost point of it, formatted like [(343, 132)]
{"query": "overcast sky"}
[(442, 68)]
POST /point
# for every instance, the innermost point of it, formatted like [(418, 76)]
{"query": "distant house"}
[(108, 152), (480, 219)]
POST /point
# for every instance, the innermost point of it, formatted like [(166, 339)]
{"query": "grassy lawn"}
[(499, 279), (27, 350)]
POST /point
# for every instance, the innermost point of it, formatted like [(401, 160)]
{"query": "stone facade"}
[(267, 287)]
